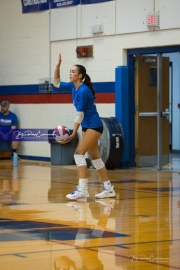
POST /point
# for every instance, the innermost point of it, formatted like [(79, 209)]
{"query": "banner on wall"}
[(84, 2), (38, 5), (63, 3), (34, 5), (27, 135)]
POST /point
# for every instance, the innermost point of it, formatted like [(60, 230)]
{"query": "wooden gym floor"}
[(41, 230)]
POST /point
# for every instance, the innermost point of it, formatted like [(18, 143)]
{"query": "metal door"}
[(146, 111)]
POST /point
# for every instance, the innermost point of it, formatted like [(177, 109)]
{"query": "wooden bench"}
[(5, 149)]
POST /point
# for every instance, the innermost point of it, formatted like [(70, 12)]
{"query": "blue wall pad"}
[(122, 104)]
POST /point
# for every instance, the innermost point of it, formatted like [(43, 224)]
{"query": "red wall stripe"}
[(53, 98)]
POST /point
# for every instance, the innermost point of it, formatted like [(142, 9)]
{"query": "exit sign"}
[(152, 21)]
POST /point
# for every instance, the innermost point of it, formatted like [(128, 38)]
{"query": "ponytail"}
[(85, 78), (88, 82)]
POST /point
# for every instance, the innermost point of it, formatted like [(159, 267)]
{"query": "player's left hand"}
[(68, 139)]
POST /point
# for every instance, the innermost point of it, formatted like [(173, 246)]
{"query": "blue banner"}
[(63, 3), (27, 135), (34, 5), (84, 2)]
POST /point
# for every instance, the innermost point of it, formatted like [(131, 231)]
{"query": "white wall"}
[(24, 44), (116, 17), (25, 50)]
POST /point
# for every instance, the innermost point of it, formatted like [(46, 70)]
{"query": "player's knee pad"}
[(79, 160), (98, 164)]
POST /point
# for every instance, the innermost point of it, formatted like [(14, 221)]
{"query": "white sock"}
[(82, 184), (107, 184)]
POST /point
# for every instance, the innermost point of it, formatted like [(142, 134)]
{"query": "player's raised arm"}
[(57, 79)]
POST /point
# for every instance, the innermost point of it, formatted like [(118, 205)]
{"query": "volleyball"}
[(61, 133)]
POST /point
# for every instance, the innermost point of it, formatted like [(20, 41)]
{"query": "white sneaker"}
[(78, 194), (106, 193)]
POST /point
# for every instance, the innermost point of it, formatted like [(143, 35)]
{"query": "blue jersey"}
[(83, 100), (7, 121)]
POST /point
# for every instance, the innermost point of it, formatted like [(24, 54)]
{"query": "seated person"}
[(8, 121)]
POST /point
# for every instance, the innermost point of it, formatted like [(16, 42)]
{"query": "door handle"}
[(148, 114), (166, 114)]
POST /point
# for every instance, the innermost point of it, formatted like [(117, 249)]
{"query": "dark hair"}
[(85, 78)]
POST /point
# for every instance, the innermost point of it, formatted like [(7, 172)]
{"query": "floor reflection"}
[(87, 239), (174, 161), (9, 187), (40, 229)]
